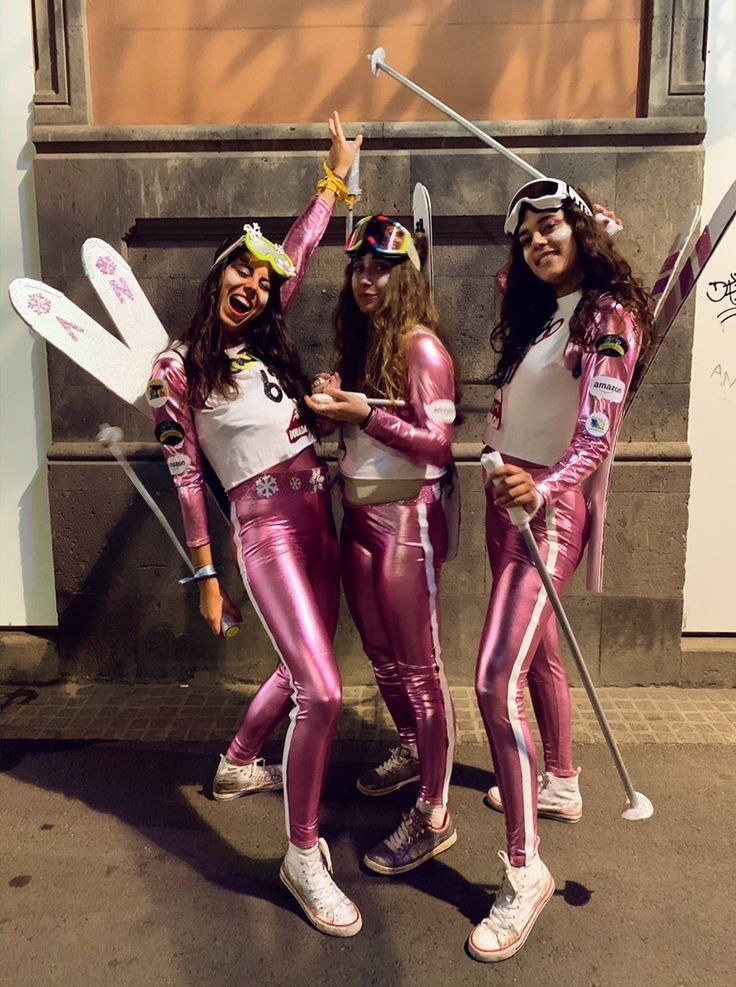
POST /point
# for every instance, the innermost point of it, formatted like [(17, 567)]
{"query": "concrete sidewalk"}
[(160, 712)]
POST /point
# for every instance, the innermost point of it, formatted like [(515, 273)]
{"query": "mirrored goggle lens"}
[(355, 239), (537, 190)]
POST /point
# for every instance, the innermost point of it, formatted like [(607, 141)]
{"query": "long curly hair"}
[(371, 349), (208, 367), (529, 303)]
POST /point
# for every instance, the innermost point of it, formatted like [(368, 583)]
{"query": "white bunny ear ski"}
[(52, 315), (422, 215), (123, 297)]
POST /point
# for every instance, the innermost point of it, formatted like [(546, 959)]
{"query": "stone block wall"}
[(167, 197)]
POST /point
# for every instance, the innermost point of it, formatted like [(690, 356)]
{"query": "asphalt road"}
[(119, 870)]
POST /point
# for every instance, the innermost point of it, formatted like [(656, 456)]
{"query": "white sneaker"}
[(234, 780), (522, 896), (306, 873), (557, 798)]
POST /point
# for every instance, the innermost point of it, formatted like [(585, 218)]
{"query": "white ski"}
[(52, 315), (422, 214), (123, 297), (681, 286)]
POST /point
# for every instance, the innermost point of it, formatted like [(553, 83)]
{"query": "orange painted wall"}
[(292, 61)]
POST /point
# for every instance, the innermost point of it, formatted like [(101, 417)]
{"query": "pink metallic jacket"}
[(172, 415), (416, 431), (606, 367)]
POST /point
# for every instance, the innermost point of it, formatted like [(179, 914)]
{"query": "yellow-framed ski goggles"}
[(262, 249), (384, 237)]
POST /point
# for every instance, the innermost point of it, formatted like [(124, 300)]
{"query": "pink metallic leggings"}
[(519, 644), (391, 560), (286, 549)]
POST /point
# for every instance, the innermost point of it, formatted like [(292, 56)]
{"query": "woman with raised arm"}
[(232, 388), (394, 462), (573, 322)]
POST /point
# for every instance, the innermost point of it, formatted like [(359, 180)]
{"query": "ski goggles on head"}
[(262, 249), (383, 237), (540, 195)]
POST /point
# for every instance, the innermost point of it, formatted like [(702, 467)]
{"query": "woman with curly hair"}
[(573, 323), (394, 462), (232, 388)]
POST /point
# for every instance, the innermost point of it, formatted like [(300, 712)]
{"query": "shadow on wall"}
[(226, 63)]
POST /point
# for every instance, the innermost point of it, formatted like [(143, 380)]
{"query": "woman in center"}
[(394, 462)]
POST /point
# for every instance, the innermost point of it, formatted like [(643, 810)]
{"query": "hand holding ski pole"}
[(638, 806), (110, 437)]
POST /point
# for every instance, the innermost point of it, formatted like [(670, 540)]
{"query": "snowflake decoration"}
[(39, 304), (266, 486), (106, 264), (296, 483), (317, 480)]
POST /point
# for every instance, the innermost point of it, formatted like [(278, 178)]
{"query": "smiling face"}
[(244, 293), (550, 250), (368, 281)]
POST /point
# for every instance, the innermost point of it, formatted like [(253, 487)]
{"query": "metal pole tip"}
[(641, 809), (377, 59)]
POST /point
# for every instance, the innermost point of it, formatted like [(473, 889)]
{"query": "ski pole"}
[(378, 63), (638, 806), (110, 437)]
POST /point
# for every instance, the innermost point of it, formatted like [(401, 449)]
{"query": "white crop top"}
[(365, 458), (253, 431), (533, 416)]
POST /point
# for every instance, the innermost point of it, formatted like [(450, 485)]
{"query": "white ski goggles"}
[(540, 195), (262, 249)]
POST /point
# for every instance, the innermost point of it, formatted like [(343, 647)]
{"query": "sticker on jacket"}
[(442, 410), (169, 433), (611, 346), (178, 464), (597, 424), (608, 388), (157, 392), (296, 428)]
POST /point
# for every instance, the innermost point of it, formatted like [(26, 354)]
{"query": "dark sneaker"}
[(410, 845), (400, 768)]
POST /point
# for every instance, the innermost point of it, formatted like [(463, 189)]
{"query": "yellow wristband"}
[(333, 183)]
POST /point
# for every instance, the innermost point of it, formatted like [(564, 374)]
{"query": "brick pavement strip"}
[(165, 711)]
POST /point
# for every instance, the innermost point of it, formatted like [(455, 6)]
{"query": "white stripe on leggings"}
[(295, 708), (445, 689), (526, 780)]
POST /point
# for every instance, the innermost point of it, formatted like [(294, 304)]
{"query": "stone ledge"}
[(626, 452), (29, 658), (708, 661), (640, 130)]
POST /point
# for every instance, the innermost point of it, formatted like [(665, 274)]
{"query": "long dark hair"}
[(208, 367), (371, 349), (529, 303)]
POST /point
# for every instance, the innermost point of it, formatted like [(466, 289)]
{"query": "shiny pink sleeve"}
[(174, 429), (301, 241), (428, 440), (606, 372)]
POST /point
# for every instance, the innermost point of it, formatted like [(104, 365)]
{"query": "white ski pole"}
[(378, 63), (352, 180), (110, 437), (639, 806)]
